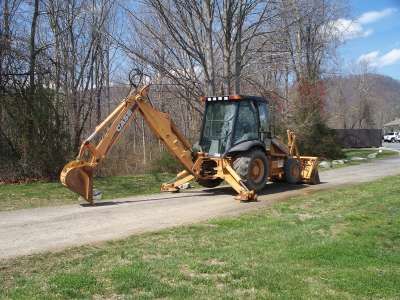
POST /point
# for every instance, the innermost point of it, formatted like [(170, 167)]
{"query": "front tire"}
[(292, 171), (252, 167)]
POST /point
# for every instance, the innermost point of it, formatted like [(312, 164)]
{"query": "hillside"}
[(362, 101)]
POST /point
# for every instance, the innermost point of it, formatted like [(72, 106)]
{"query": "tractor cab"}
[(234, 124)]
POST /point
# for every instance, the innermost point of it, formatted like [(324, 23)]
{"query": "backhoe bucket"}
[(309, 169), (78, 177)]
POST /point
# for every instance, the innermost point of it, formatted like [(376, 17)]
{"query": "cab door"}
[(264, 121), (247, 123)]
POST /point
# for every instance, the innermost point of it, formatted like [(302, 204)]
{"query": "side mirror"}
[(196, 147)]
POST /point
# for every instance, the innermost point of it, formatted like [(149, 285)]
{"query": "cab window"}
[(246, 123), (264, 117), (218, 126)]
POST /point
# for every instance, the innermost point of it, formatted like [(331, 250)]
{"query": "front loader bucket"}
[(78, 177), (309, 169)]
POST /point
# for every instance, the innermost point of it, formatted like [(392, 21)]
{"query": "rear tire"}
[(210, 183), (292, 171), (252, 167), (315, 179)]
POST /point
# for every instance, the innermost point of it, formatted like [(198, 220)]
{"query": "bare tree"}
[(64, 62)]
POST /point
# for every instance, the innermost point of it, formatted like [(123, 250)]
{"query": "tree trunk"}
[(227, 19), (238, 50), (5, 40), (108, 76), (238, 63), (144, 142), (32, 62), (209, 49)]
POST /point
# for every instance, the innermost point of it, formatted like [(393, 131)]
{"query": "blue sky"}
[(372, 34)]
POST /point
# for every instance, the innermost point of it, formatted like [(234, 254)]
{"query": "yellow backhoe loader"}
[(235, 146)]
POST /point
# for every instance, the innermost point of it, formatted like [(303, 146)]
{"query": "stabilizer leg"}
[(173, 186), (234, 180)]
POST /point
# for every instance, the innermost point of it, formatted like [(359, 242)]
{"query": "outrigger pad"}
[(246, 196), (78, 177)]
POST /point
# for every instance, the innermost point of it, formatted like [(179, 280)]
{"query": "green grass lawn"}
[(363, 153), (339, 244), (39, 194)]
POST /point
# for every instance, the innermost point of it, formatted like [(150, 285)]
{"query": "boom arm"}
[(77, 175)]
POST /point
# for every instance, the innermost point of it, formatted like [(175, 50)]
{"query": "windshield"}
[(218, 126)]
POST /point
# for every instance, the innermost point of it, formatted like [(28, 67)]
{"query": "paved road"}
[(37, 230), (394, 146)]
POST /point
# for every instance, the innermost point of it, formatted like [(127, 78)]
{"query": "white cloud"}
[(346, 29), (373, 16), (369, 57), (374, 59), (391, 57)]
